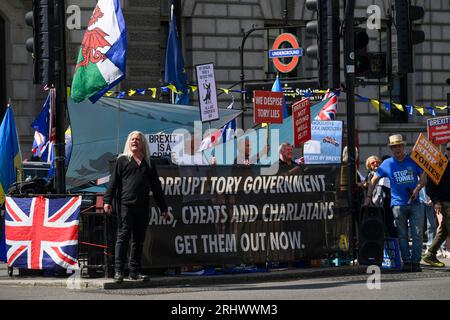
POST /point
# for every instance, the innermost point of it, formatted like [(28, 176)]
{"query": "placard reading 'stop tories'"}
[(429, 158)]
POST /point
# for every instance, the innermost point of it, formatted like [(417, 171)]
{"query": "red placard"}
[(268, 107), (301, 121), (439, 130)]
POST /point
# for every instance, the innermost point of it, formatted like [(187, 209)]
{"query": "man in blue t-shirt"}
[(406, 179)]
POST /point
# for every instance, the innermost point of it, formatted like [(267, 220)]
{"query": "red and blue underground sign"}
[(294, 52)]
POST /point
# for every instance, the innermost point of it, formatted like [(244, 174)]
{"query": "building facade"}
[(213, 31)]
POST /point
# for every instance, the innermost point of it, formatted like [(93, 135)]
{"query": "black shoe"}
[(416, 267), (138, 276), (407, 266), (118, 277)]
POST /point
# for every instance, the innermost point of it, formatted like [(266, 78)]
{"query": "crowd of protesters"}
[(413, 206)]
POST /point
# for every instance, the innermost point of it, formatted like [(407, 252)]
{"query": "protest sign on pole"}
[(207, 96), (325, 145), (268, 107), (301, 120), (429, 158), (439, 130)]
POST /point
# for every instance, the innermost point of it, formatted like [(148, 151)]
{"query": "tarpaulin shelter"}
[(285, 134), (99, 130)]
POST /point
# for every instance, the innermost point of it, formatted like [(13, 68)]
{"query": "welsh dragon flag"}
[(101, 61)]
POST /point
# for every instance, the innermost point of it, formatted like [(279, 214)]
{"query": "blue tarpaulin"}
[(99, 130)]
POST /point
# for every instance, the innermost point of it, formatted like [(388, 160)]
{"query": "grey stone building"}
[(212, 31)]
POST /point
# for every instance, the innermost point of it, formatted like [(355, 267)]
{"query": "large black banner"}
[(233, 215)]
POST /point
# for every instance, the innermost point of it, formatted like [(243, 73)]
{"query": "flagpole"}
[(61, 96), (210, 136), (172, 94), (19, 170)]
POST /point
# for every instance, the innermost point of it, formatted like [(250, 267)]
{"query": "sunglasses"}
[(375, 162)]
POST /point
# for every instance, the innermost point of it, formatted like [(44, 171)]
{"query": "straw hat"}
[(396, 139)]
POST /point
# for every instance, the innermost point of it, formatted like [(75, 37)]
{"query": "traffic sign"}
[(277, 52)]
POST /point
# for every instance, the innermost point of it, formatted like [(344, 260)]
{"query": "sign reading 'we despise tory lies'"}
[(268, 107)]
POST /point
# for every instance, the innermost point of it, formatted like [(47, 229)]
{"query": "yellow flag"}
[(193, 88), (174, 89), (398, 106), (109, 93), (441, 107), (420, 110), (153, 90), (131, 92), (376, 104), (227, 91)]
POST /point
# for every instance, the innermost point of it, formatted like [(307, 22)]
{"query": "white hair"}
[(145, 150), (282, 146)]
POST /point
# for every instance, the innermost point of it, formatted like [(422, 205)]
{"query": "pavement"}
[(75, 281)]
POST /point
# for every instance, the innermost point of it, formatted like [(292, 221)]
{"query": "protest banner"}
[(228, 214)]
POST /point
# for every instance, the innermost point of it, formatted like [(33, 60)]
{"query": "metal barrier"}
[(96, 240)]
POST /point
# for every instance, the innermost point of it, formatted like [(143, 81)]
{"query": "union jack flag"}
[(329, 110), (42, 233)]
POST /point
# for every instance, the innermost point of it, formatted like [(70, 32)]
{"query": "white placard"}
[(166, 145), (206, 82)]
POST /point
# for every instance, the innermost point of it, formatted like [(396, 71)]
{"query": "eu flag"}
[(10, 162), (174, 70)]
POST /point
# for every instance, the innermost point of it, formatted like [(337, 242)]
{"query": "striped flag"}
[(329, 110)]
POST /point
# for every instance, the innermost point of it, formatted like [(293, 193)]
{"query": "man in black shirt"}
[(286, 154), (133, 177), (440, 196)]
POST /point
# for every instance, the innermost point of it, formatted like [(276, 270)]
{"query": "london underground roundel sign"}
[(276, 53)]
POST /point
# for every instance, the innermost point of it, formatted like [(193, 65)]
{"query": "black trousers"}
[(132, 222)]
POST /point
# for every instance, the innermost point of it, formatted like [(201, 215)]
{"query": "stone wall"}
[(211, 31)]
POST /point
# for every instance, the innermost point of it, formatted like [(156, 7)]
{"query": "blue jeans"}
[(413, 213)]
